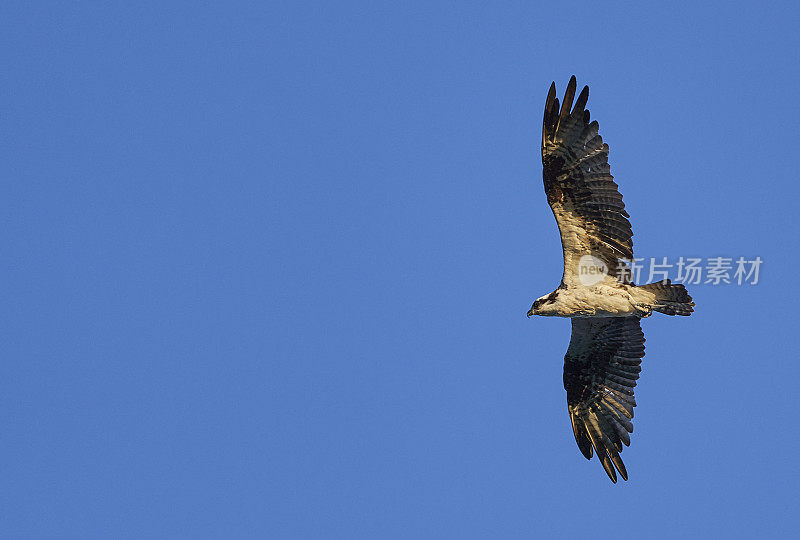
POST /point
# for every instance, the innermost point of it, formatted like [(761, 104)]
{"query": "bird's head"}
[(544, 305)]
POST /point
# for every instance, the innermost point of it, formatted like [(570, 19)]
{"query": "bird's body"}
[(602, 299), (604, 357)]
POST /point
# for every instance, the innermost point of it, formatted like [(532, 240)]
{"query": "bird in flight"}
[(605, 351)]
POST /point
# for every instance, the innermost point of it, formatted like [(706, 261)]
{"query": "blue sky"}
[(266, 268)]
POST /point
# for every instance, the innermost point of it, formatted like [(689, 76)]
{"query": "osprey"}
[(605, 351)]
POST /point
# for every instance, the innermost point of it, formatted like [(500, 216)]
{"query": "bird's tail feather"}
[(670, 299)]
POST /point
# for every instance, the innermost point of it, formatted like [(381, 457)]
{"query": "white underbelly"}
[(598, 301)]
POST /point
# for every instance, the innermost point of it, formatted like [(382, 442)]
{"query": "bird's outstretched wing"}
[(580, 190), (600, 370)]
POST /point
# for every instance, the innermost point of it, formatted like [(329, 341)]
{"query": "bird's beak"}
[(530, 312)]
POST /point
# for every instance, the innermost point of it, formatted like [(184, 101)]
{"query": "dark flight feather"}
[(601, 368)]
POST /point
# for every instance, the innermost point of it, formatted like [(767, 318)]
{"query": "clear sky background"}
[(266, 268)]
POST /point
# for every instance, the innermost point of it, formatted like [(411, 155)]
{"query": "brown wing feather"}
[(601, 368), (580, 190)]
